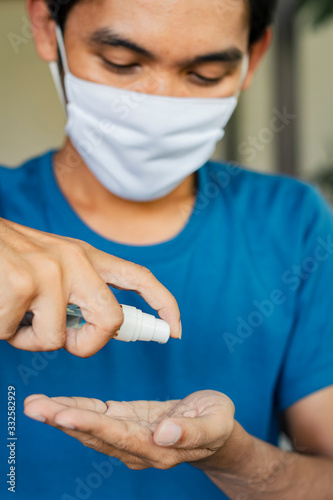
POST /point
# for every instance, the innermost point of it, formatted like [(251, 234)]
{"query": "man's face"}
[(185, 48)]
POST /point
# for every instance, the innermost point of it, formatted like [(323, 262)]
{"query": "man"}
[(248, 257)]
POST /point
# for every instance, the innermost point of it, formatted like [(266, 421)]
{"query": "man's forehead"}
[(221, 7), (136, 17)]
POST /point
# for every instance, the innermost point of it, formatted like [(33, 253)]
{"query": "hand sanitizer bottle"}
[(137, 325)]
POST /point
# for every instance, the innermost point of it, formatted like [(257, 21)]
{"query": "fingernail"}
[(180, 330), (64, 424), (36, 416), (168, 434)]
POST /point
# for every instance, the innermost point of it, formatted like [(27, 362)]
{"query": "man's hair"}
[(261, 14)]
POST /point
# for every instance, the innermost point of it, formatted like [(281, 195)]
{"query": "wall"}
[(315, 96), (31, 119)]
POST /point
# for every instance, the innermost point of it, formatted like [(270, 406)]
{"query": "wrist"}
[(233, 457)]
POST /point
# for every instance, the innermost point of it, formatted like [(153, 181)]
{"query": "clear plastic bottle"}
[(137, 325)]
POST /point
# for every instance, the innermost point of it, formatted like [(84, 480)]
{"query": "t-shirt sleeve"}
[(308, 362)]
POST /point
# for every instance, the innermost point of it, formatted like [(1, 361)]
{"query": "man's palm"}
[(143, 433)]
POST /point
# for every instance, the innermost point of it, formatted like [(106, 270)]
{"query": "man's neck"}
[(128, 222)]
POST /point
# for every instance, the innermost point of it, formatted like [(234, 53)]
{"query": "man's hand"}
[(42, 273), (142, 434), (201, 430)]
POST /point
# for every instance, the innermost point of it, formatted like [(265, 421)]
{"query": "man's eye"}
[(120, 68), (202, 80)]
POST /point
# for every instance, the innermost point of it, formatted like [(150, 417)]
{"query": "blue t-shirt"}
[(252, 271)]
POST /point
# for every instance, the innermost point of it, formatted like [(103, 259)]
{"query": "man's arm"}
[(247, 468)]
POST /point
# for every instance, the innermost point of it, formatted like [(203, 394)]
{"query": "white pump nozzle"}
[(141, 326)]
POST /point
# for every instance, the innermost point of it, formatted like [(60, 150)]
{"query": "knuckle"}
[(51, 268), (7, 335), (81, 244), (82, 353), (22, 284), (56, 343), (145, 272), (144, 276), (83, 350), (43, 345), (76, 250)]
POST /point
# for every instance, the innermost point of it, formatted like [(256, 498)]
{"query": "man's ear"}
[(43, 28), (257, 52)]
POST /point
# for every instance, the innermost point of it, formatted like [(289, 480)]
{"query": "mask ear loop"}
[(62, 50), (55, 72)]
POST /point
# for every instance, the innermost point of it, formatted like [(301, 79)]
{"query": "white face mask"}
[(141, 146)]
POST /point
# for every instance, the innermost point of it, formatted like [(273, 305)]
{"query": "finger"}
[(109, 435), (100, 309), (127, 441), (129, 276), (109, 430), (50, 407), (92, 425), (30, 398), (62, 411), (202, 424), (82, 403), (41, 408), (17, 289), (48, 330)]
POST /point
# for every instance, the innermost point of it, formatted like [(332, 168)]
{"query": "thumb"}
[(205, 431), (204, 419)]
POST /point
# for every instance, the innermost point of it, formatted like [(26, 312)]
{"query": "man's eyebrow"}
[(231, 55), (107, 36)]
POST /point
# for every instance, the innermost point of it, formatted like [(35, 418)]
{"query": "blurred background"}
[(295, 82)]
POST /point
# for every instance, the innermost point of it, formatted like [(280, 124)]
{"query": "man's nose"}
[(162, 83)]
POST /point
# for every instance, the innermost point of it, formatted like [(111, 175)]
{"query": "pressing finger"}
[(129, 276)]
